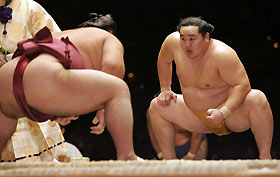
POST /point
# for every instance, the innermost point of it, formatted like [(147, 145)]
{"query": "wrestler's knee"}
[(154, 106), (120, 87), (256, 98)]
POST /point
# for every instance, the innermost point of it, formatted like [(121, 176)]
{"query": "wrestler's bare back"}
[(201, 84), (91, 45), (89, 42)]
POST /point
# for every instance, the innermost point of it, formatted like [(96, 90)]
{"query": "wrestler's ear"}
[(207, 37)]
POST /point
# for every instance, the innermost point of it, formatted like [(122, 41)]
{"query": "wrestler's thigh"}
[(178, 113), (239, 120), (69, 92)]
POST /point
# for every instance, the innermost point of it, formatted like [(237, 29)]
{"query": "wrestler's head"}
[(105, 22), (194, 36), (203, 26)]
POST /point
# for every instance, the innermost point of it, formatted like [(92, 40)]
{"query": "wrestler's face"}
[(192, 42)]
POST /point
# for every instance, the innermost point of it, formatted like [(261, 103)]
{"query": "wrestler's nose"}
[(187, 43)]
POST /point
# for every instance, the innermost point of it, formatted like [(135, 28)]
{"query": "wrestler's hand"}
[(66, 120), (101, 119), (165, 98), (214, 116)]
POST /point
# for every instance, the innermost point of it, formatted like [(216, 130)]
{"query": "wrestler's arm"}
[(234, 74), (113, 57), (40, 18), (164, 63), (112, 63), (164, 66)]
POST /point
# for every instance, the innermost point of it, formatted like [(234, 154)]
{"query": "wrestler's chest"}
[(204, 77)]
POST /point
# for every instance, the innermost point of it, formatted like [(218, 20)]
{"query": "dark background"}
[(249, 27)]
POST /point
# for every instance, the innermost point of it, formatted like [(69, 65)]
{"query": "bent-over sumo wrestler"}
[(54, 76)]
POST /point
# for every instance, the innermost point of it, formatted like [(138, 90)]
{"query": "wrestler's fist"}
[(214, 116), (165, 98), (101, 119), (66, 120)]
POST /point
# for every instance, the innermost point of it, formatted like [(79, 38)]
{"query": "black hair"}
[(203, 26), (105, 22)]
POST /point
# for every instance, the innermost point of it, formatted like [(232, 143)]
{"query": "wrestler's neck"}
[(204, 50)]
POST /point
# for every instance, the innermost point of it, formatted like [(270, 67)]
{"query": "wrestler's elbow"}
[(243, 89), (118, 71), (114, 69), (246, 87), (243, 86)]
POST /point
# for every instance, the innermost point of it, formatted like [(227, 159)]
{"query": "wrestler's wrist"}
[(191, 155), (225, 111), (165, 88)]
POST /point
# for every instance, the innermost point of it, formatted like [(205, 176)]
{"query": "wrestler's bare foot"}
[(265, 157), (130, 156)]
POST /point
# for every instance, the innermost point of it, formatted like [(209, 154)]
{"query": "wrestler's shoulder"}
[(221, 48), (173, 36), (80, 33), (99, 33), (172, 39)]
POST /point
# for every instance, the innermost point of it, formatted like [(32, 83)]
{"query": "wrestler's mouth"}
[(189, 51)]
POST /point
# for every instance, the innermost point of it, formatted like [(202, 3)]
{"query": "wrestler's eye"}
[(183, 39), (192, 39)]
